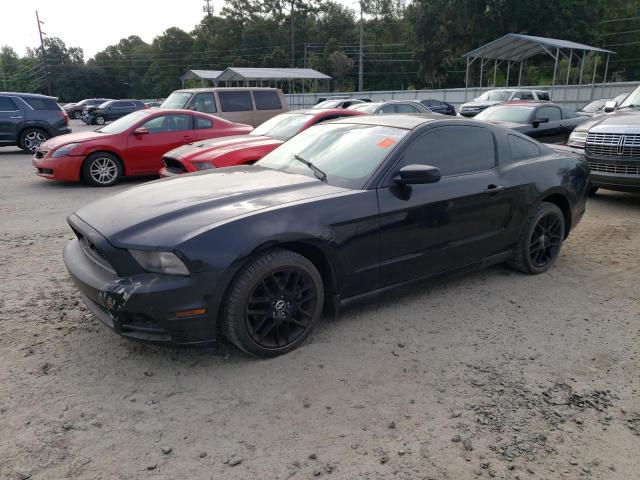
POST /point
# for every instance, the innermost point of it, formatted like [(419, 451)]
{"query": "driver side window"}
[(454, 150)]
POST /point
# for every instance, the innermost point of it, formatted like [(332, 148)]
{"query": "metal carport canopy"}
[(201, 75), (237, 74), (516, 47)]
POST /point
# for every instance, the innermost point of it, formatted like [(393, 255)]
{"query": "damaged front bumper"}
[(144, 306)]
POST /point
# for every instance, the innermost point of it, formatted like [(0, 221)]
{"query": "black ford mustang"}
[(341, 211)]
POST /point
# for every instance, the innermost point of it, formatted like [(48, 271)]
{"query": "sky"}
[(70, 20)]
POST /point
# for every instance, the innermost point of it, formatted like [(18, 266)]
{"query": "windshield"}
[(124, 123), (282, 127), (365, 107), (594, 106), (329, 103), (506, 114), (347, 153), (176, 100), (632, 100), (495, 96)]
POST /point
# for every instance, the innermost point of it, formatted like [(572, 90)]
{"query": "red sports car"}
[(132, 145), (226, 152)]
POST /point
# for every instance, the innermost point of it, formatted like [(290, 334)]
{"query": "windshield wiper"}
[(316, 171), (628, 106)]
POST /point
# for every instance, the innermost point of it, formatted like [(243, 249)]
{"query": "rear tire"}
[(99, 120), (102, 169), (77, 115), (31, 138), (273, 304), (540, 241)]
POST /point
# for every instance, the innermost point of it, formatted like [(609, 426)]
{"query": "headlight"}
[(160, 262), (203, 165), (64, 150), (577, 139)]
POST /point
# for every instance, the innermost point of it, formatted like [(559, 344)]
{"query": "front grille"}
[(174, 165), (95, 255), (613, 145), (627, 169)]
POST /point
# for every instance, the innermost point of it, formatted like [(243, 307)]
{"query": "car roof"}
[(526, 103), (211, 89), (32, 95), (405, 121), (318, 111)]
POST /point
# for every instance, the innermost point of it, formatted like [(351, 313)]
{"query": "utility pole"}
[(360, 68), (44, 55), (208, 8), (293, 56)]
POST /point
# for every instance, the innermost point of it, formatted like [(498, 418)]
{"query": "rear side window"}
[(390, 108), (7, 105), (524, 95), (406, 108), (267, 100), (235, 101), (204, 102), (202, 123), (522, 148), (552, 113), (543, 96), (41, 103), (454, 150)]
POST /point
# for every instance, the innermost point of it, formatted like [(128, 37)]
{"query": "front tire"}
[(102, 169), (100, 120), (273, 304), (592, 191), (540, 240), (31, 138)]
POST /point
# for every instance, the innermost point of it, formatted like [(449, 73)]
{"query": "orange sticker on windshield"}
[(386, 142)]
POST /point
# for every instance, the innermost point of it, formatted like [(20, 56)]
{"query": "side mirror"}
[(537, 121), (610, 106), (417, 174), (140, 131)]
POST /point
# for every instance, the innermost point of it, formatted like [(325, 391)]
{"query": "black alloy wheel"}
[(280, 308), (273, 304), (546, 239), (540, 241)]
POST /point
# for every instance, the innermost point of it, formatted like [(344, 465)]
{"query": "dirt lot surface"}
[(491, 374)]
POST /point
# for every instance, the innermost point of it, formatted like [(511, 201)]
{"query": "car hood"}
[(219, 146), (165, 213), (79, 137), (511, 125), (483, 104), (621, 121)]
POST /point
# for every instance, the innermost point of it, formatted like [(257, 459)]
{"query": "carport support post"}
[(481, 68), (555, 68), (584, 54), (593, 77), (566, 83), (606, 70), (520, 72), (466, 82), (495, 71), (508, 67)]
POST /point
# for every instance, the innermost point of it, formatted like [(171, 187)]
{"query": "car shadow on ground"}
[(124, 183), (223, 353), (622, 199)]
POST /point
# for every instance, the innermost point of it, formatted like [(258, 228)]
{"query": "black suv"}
[(111, 110), (28, 119), (74, 110)]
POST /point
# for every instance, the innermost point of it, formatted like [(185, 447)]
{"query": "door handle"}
[(494, 189), (15, 117), (187, 137)]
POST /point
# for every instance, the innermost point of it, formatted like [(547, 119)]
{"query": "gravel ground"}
[(490, 374)]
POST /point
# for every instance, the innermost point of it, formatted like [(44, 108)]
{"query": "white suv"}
[(493, 97)]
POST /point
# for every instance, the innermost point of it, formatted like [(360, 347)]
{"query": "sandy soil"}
[(491, 374)]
